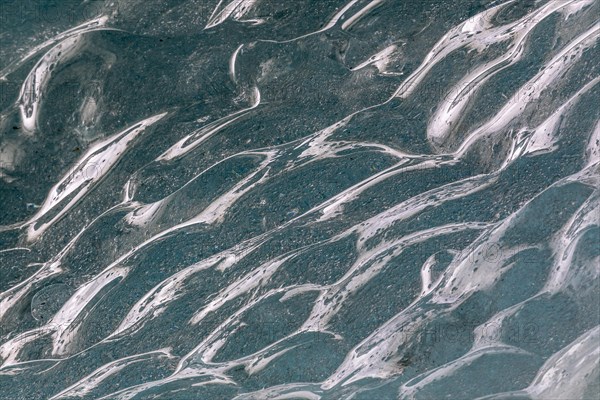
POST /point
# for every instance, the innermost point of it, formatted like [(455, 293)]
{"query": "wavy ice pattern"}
[(332, 199)]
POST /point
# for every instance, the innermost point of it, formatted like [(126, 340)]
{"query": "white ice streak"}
[(184, 146), (154, 303), (350, 22), (571, 373), (97, 24), (69, 318), (451, 110), (241, 286), (380, 60), (92, 167), (236, 10), (409, 390), (567, 271), (368, 265), (533, 89), (332, 22), (232, 60), (34, 85), (477, 33), (544, 138), (86, 385), (215, 212)]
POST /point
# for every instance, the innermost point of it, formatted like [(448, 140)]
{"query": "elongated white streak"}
[(153, 303), (237, 9), (85, 385), (368, 265), (143, 214), (9, 350), (232, 63), (565, 244), (210, 346), (11, 296), (97, 24), (533, 89), (544, 138), (215, 10), (415, 384), (452, 108), (469, 34), (416, 204), (34, 85), (15, 249), (239, 287), (570, 371), (576, 7), (286, 391), (332, 22), (592, 150), (86, 173), (67, 316), (380, 60), (182, 147), (334, 206), (215, 212), (217, 377), (427, 281), (360, 14)]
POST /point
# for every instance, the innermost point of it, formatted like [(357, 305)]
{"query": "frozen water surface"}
[(307, 199)]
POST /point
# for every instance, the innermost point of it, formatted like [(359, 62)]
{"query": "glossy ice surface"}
[(299, 199)]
